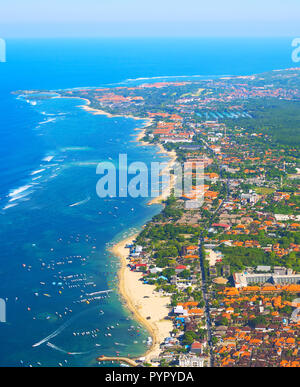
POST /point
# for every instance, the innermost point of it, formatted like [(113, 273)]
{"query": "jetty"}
[(126, 360)]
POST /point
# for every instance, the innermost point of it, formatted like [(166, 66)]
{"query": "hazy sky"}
[(144, 17)]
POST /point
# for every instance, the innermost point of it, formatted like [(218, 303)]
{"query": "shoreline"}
[(139, 298), (100, 112), (133, 292), (172, 154), (167, 190)]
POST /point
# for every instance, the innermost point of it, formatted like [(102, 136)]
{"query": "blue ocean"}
[(54, 230)]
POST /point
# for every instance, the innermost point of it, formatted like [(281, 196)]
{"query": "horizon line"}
[(151, 37)]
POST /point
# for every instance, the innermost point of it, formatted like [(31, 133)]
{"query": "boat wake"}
[(66, 352), (61, 328), (122, 345), (54, 334), (81, 202)]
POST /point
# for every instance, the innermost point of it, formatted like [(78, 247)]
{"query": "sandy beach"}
[(171, 154), (154, 305), (142, 132), (100, 112), (141, 299), (167, 190)]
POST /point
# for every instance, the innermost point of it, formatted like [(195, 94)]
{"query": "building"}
[(263, 268), (191, 361), (196, 347), (251, 198), (179, 309), (141, 267), (180, 268), (244, 279)]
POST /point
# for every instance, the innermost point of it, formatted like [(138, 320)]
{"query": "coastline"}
[(133, 291), (167, 190), (97, 112), (141, 299), (172, 154)]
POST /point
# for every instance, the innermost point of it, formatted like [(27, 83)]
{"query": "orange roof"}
[(196, 311), (290, 340), (191, 256), (192, 247), (295, 225)]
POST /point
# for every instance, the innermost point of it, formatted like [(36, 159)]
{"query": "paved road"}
[(203, 275)]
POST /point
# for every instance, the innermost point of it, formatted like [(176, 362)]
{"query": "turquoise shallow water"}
[(52, 252)]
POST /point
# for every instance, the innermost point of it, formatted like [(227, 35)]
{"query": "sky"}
[(52, 18)]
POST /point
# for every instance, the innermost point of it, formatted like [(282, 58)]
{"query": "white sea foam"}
[(9, 206), (164, 77), (14, 193), (18, 197), (33, 103), (86, 163), (47, 121), (37, 172), (48, 159), (20, 193), (75, 148)]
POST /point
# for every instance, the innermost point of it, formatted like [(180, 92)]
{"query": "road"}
[(203, 274)]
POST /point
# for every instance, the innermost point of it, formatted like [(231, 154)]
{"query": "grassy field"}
[(264, 190)]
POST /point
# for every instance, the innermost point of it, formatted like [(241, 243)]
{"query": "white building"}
[(191, 361), (242, 280), (180, 310)]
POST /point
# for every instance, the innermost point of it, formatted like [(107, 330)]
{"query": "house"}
[(135, 252), (180, 268), (222, 225), (196, 312), (156, 270), (196, 347), (141, 267), (278, 196), (179, 309), (186, 250)]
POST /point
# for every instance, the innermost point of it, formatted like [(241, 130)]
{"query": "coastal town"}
[(219, 285)]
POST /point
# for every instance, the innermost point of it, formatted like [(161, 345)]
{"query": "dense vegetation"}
[(278, 118)]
